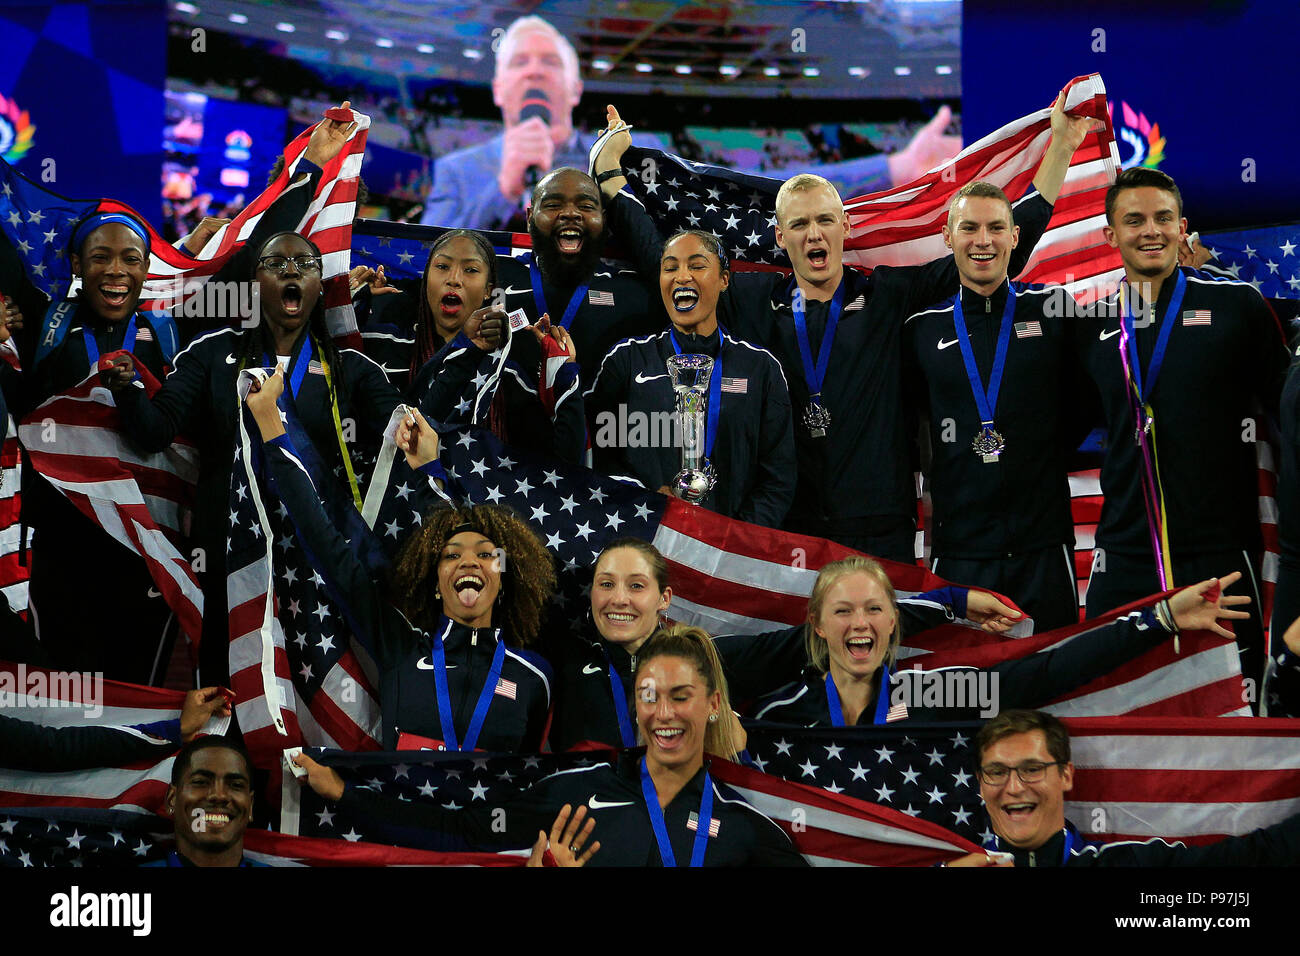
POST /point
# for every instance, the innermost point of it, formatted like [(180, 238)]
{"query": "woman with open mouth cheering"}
[(464, 598), (749, 437), (199, 399), (853, 636)]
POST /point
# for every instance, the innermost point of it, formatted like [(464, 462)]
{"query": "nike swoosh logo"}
[(424, 665), (154, 592), (511, 290), (230, 360), (597, 804), (592, 669), (943, 345), (1103, 336), (642, 379)]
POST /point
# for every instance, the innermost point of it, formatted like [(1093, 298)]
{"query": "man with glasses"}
[(1025, 772)]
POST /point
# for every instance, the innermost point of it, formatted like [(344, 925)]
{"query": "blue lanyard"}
[(715, 392), (445, 717), (620, 703), (92, 347), (837, 709), (985, 401), (815, 377), (1071, 841), (539, 297), (661, 829), (300, 362), (1167, 323)]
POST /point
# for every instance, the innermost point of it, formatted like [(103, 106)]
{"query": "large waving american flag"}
[(902, 225), (730, 577)]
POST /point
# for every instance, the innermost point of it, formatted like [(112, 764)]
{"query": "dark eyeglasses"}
[(280, 264), (1031, 771)]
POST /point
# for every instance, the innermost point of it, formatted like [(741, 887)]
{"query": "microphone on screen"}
[(536, 103)]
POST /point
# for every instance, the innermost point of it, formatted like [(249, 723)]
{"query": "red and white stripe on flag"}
[(67, 699), (281, 849), (14, 571), (1184, 779), (73, 439), (903, 225), (830, 829), (175, 277), (734, 578)]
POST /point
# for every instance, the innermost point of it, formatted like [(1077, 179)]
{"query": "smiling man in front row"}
[(210, 801), (1024, 773)]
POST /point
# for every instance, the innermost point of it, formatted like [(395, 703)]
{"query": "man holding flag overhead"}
[(837, 333), (1184, 363)]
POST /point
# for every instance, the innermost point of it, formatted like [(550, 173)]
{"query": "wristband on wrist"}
[(609, 174)]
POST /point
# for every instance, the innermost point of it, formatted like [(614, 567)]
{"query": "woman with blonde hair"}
[(660, 808), (852, 638)]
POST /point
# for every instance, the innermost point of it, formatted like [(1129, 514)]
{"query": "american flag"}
[(1264, 257), (734, 578), (829, 829), (1196, 317), (902, 225), (111, 840), (73, 439), (1026, 330), (1192, 779), (300, 678), (62, 699), (175, 277)]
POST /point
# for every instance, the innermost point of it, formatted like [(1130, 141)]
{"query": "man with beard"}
[(564, 277)]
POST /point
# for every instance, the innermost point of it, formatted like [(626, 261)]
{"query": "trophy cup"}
[(690, 378)]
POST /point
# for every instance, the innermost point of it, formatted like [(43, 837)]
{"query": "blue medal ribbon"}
[(1167, 323), (445, 717), (539, 297), (816, 376), (300, 363), (625, 731), (92, 347), (715, 392), (702, 820), (985, 401), (837, 709)]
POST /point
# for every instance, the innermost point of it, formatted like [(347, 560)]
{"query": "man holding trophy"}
[(693, 411)]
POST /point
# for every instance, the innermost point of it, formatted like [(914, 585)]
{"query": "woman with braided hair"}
[(463, 600)]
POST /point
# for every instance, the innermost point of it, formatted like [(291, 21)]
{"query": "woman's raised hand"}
[(567, 839)]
